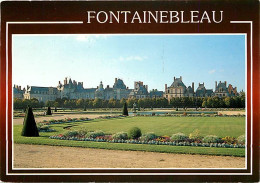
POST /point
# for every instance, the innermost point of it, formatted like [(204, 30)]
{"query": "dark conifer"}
[(29, 126), (85, 108), (125, 111), (55, 109), (48, 111)]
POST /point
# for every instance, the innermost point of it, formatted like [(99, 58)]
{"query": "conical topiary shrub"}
[(125, 111), (29, 126), (48, 111)]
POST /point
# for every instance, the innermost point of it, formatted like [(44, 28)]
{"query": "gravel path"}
[(39, 156), (18, 121)]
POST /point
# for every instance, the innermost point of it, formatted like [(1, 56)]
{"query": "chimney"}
[(174, 78), (107, 86), (19, 87), (192, 86), (146, 86), (226, 83), (115, 80), (181, 78), (127, 88), (216, 83), (165, 87)]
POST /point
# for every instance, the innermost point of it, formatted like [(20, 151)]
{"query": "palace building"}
[(71, 89), (179, 89), (74, 90), (221, 90)]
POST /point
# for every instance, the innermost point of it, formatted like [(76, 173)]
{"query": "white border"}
[(251, 76), (81, 22)]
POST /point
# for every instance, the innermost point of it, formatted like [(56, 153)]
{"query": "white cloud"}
[(132, 58), (212, 71)]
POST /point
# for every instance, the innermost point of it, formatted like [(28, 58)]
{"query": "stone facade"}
[(154, 93), (140, 90), (203, 92), (222, 90), (75, 90), (18, 92), (178, 89), (43, 94)]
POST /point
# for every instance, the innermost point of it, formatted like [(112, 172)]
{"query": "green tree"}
[(97, 103), (125, 111), (204, 103), (90, 103), (50, 103), (56, 104), (122, 102), (29, 126), (227, 101), (80, 103), (18, 103), (140, 103), (111, 103), (48, 111), (130, 102)]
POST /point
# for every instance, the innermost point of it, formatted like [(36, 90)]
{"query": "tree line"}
[(184, 102)]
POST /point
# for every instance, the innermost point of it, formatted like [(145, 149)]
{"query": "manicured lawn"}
[(221, 126)]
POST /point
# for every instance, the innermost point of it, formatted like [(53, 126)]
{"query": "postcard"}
[(129, 91)]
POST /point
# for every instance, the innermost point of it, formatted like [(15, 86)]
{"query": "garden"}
[(208, 135)]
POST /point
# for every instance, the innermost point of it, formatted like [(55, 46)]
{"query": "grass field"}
[(221, 126)]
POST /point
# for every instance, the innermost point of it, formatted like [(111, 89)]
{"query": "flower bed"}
[(69, 120), (109, 117), (190, 115), (66, 120), (45, 128), (176, 140)]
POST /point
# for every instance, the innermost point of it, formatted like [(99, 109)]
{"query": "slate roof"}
[(38, 88), (119, 84), (189, 89), (177, 83), (142, 91), (89, 90), (223, 86), (156, 93), (209, 92)]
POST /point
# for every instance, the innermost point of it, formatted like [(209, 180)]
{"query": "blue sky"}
[(43, 60)]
